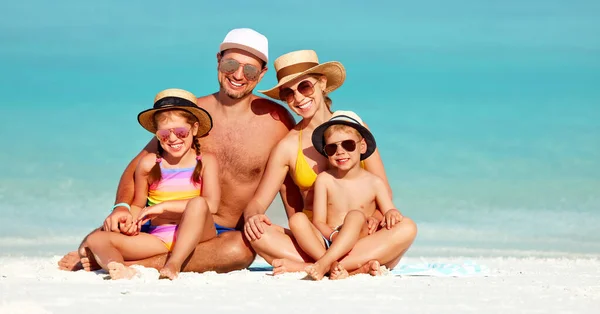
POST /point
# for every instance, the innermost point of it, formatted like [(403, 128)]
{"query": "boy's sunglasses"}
[(164, 134), (306, 88), (347, 145), (229, 66)]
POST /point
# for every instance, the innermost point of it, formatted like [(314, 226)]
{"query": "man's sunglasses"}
[(229, 66)]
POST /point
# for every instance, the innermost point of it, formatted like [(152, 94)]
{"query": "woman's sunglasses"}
[(229, 66), (164, 134), (347, 145), (306, 88)]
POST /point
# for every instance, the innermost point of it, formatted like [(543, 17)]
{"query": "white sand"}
[(35, 285)]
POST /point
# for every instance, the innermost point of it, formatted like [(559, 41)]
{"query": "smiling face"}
[(172, 126), (304, 95), (345, 145), (238, 82)]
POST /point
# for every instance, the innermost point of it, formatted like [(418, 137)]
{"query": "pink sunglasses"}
[(164, 134)]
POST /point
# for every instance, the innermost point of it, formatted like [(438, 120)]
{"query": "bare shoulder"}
[(147, 162), (276, 112), (207, 102), (373, 180), (324, 178), (209, 158)]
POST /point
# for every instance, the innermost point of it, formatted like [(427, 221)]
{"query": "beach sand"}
[(514, 285)]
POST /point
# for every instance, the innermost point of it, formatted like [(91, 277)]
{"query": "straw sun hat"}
[(176, 99), (298, 63)]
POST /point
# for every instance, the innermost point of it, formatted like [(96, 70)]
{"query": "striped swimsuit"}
[(175, 184)]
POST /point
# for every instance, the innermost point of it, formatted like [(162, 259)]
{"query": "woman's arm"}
[(271, 181)]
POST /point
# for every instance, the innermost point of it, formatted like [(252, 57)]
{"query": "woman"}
[(304, 84)]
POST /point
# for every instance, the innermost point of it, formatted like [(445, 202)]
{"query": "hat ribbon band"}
[(294, 68), (173, 101)]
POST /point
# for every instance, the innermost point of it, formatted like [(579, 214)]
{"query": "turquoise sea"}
[(486, 113)]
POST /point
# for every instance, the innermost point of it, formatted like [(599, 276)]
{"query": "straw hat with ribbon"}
[(176, 99), (298, 63)]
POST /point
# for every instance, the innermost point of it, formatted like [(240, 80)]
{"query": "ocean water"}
[(486, 114)]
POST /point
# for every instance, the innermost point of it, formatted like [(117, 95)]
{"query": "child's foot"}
[(170, 271), (372, 268), (70, 262), (281, 266), (88, 260), (316, 271), (120, 271), (337, 271)]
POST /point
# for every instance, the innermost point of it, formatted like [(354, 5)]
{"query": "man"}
[(245, 129)]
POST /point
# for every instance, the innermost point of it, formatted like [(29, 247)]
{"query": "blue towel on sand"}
[(466, 269)]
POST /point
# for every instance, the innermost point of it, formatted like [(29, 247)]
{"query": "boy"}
[(346, 194)]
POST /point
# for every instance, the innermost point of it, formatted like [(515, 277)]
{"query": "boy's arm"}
[(374, 164), (320, 205), (391, 215)]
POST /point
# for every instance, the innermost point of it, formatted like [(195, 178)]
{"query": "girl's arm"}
[(211, 189), (140, 196), (320, 205), (374, 165)]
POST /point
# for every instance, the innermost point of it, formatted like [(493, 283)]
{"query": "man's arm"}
[(126, 191), (126, 188)]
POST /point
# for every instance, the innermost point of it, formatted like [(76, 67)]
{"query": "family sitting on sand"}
[(194, 199)]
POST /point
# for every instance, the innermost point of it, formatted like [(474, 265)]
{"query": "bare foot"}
[(316, 271), (375, 268), (337, 271), (88, 260), (70, 262), (169, 272), (120, 271), (372, 268), (281, 266)]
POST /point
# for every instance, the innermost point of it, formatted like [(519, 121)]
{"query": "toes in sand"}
[(70, 262), (337, 271), (375, 268), (315, 271), (120, 271), (169, 272), (281, 266)]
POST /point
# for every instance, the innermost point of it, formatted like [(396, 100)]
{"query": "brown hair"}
[(328, 100), (155, 174), (341, 128)]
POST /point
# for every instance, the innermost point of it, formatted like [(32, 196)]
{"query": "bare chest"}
[(242, 150), (345, 196)]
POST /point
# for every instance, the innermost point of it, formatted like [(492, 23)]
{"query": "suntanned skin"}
[(245, 130), (277, 245)]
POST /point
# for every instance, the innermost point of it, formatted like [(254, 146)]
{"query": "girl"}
[(168, 212)]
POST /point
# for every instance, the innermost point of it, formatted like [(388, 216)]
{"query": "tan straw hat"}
[(176, 99), (298, 63)]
